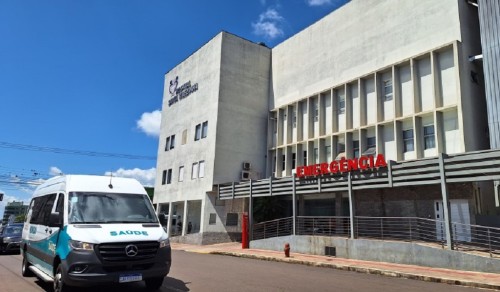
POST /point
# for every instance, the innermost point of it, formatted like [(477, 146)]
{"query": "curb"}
[(364, 270)]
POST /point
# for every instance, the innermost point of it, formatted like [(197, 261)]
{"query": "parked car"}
[(10, 237)]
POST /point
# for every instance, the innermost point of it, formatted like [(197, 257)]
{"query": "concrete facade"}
[(388, 77), (383, 251), (231, 77)]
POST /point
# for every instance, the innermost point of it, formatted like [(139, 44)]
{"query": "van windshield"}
[(85, 207)]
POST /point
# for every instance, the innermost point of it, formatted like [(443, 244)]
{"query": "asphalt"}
[(448, 276)]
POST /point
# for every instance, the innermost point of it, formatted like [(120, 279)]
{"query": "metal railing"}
[(465, 237), (274, 228), (400, 228), (325, 226)]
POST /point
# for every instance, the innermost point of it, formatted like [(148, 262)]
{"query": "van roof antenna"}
[(110, 180)]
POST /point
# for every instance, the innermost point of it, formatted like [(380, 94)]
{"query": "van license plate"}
[(130, 278)]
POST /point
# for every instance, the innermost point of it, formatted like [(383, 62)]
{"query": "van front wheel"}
[(154, 283), (25, 269), (59, 285)]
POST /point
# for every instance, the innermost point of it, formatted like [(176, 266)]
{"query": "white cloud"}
[(318, 2), (55, 171), (149, 123), (145, 176), (269, 24)]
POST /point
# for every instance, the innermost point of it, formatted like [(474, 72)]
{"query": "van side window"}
[(60, 204), (37, 207), (47, 209), (42, 206)]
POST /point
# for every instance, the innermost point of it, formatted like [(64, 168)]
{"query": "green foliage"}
[(268, 208), (20, 218)]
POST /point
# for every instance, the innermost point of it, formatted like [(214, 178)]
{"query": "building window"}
[(181, 173), (184, 137), (232, 219), (283, 161), (340, 151), (294, 159), (294, 118), (194, 170), (197, 132), (355, 148), (170, 143), (316, 112), (328, 152), (371, 147), (211, 219), (316, 155), (408, 140), (204, 130), (201, 131), (387, 90), (169, 176), (341, 104), (305, 157), (167, 144), (429, 138), (164, 177), (201, 169)]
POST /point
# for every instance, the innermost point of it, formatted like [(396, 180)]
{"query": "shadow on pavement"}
[(169, 285)]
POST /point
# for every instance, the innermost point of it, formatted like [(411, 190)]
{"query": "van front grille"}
[(117, 251)]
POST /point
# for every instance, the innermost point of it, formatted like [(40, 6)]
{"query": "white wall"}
[(452, 135), (447, 85), (389, 143), (360, 37), (425, 84), (371, 101), (406, 90)]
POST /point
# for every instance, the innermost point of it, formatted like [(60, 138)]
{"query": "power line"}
[(72, 151)]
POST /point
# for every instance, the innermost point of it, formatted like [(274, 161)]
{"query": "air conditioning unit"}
[(245, 175), (246, 165)]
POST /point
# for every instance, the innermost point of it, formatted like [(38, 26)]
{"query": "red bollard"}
[(287, 250), (244, 231)]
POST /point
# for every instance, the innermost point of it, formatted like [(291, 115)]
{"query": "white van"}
[(84, 230)]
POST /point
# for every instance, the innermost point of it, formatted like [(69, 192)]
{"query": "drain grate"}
[(330, 251)]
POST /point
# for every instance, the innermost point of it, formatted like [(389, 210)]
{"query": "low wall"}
[(207, 238), (383, 251)]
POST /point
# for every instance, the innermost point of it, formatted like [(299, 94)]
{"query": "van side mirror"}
[(163, 219), (55, 220)]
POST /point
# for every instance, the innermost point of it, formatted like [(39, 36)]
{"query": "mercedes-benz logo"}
[(131, 250)]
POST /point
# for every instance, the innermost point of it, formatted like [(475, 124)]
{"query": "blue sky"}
[(87, 75)]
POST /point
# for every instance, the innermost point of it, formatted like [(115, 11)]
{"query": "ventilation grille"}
[(115, 252)]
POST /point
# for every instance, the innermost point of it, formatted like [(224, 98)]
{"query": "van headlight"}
[(164, 243), (79, 245)]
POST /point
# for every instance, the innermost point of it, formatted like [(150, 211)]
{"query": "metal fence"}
[(274, 228), (325, 226), (465, 237)]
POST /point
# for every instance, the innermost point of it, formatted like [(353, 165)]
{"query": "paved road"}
[(204, 272)]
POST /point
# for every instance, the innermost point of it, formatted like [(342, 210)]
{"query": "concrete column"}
[(169, 222), (184, 218), (294, 206), (250, 212), (446, 209), (351, 204)]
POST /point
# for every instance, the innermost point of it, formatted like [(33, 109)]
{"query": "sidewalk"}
[(455, 277)]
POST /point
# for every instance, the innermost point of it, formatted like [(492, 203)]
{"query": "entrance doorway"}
[(460, 218)]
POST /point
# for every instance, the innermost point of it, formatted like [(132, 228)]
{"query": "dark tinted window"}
[(42, 208), (60, 204)]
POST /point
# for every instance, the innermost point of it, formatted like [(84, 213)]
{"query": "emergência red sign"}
[(342, 165)]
